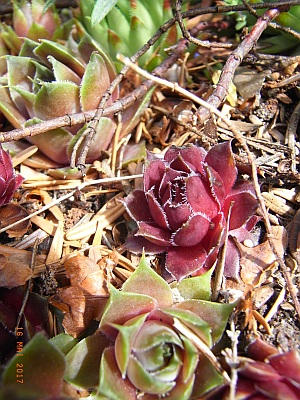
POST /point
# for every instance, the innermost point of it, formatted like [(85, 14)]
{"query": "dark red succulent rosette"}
[(184, 207), (9, 181)]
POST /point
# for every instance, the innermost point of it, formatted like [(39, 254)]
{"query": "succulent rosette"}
[(48, 80), (9, 181), (191, 200), (155, 351), (267, 374), (128, 26)]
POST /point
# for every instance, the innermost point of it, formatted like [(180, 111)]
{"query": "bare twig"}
[(234, 60)]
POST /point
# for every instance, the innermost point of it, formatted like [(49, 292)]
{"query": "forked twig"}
[(234, 60)]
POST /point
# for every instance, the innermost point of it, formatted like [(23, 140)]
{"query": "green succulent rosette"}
[(49, 80), (128, 26), (153, 341)]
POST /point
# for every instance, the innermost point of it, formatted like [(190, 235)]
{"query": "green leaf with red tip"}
[(123, 306), (83, 361), (134, 152), (56, 99), (111, 383), (94, 83), (62, 72), (215, 314), (40, 360), (125, 339), (60, 53), (146, 281)]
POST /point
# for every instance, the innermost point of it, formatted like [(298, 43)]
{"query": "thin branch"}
[(234, 60)]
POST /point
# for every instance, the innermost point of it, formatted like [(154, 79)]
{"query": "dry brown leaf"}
[(14, 267), (256, 261), (84, 300), (11, 213)]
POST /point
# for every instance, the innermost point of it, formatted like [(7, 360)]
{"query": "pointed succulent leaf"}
[(124, 341), (56, 99), (101, 9), (276, 388), (27, 97), (22, 18), (199, 326), (83, 361), (260, 371), (36, 32), (40, 359), (111, 383), (135, 304), (145, 281), (20, 73), (11, 39), (59, 52), (287, 364), (215, 314), (9, 110), (198, 287), (206, 378), (134, 152), (65, 173), (62, 72), (244, 201), (220, 158), (94, 83), (181, 262)]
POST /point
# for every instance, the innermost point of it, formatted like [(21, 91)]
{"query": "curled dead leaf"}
[(257, 261), (85, 299), (11, 213)]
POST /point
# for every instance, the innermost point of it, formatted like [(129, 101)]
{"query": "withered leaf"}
[(14, 267), (256, 261), (11, 213), (85, 299)]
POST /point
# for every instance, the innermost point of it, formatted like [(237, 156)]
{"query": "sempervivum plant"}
[(32, 22), (48, 80), (9, 181), (267, 374), (129, 25), (191, 199), (158, 348)]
